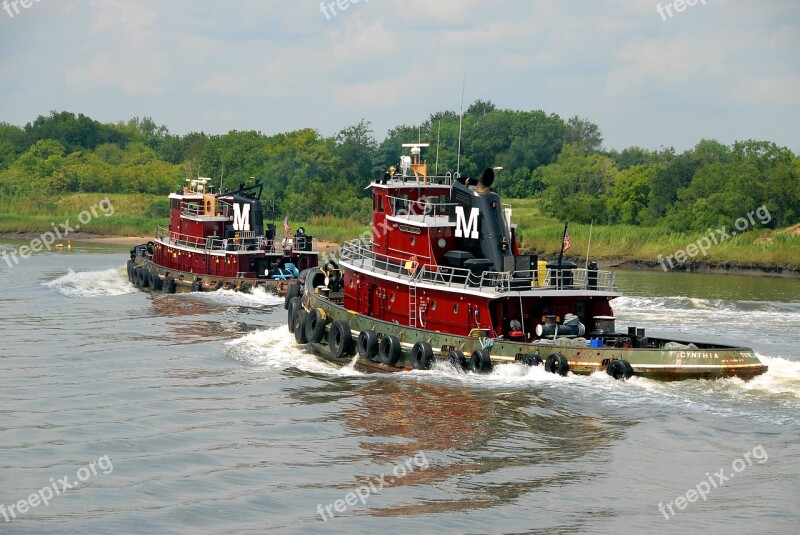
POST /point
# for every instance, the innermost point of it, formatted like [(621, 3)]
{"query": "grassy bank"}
[(121, 215), (757, 247)]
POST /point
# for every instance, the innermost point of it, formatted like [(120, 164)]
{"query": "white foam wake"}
[(92, 283), (278, 349), (259, 297)]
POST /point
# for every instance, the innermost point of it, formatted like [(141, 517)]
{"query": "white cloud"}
[(276, 65)]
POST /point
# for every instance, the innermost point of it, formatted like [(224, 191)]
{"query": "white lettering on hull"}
[(241, 216), (464, 228)]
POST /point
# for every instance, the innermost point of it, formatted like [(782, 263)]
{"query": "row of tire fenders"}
[(309, 327), (144, 278)]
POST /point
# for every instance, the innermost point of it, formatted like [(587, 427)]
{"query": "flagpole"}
[(589, 245), (561, 254)]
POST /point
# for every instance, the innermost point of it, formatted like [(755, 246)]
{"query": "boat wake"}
[(109, 282), (258, 298), (694, 303), (766, 326), (774, 396), (276, 348)]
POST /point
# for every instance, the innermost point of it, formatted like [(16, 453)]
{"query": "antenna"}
[(438, 134), (460, 119)]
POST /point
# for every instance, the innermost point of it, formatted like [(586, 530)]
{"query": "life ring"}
[(457, 359), (367, 344), (556, 363), (422, 355), (294, 305), (480, 361), (620, 369), (389, 350), (300, 319), (315, 326), (340, 339)]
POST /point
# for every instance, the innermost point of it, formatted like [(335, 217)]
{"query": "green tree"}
[(583, 132), (576, 185)]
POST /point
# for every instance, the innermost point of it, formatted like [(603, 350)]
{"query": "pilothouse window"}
[(400, 203)]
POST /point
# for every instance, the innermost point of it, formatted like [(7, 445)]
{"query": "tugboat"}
[(442, 278), (218, 241)]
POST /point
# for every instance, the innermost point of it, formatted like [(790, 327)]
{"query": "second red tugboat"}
[(443, 278), (218, 241)]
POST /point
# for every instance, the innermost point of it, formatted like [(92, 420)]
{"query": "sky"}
[(650, 74)]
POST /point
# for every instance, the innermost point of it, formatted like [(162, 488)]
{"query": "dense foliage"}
[(542, 156)]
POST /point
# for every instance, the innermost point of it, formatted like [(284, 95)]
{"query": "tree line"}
[(561, 162)]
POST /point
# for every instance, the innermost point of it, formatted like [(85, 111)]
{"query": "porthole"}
[(442, 243), (413, 240), (351, 283), (391, 297), (455, 308), (433, 305)]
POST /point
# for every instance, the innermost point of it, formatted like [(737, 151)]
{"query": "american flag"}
[(286, 228), (567, 240)]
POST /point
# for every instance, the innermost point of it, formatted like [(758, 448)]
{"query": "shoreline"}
[(607, 264), (85, 237)]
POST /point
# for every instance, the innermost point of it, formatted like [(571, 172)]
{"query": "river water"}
[(198, 414)]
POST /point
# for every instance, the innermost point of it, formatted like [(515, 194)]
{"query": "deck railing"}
[(359, 253), (247, 241)]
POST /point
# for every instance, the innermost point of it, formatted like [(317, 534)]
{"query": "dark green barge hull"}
[(706, 361)]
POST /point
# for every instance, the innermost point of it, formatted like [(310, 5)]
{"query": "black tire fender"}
[(291, 292), (300, 319), (422, 355), (155, 281), (556, 363), (294, 305), (170, 285), (315, 326), (619, 369), (531, 359), (367, 344), (457, 359), (340, 339), (142, 280), (389, 349), (480, 362)]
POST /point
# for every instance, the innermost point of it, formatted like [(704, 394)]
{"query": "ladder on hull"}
[(412, 303)]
